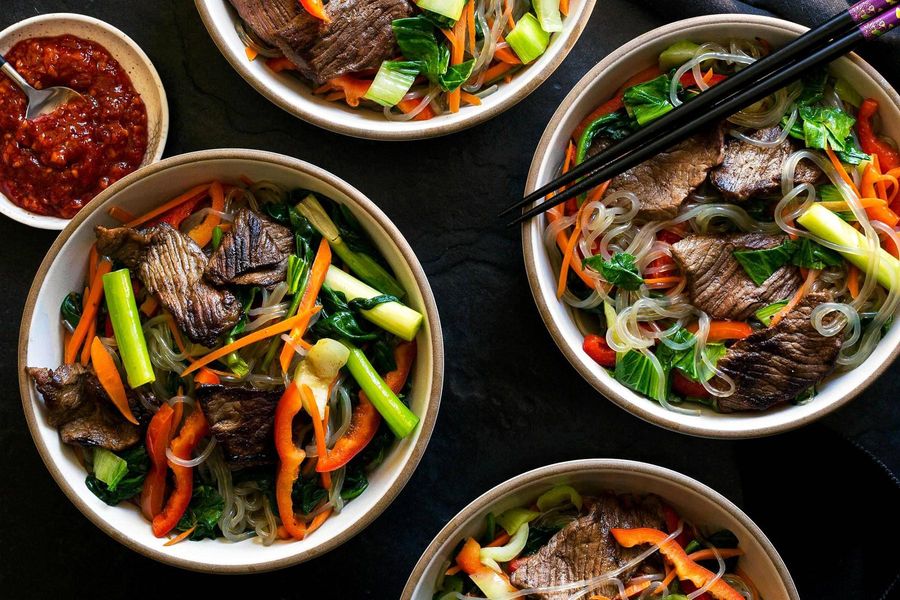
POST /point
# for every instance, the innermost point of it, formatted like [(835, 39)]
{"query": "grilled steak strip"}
[(664, 181), (585, 548), (359, 37), (171, 265), (266, 17), (748, 170), (717, 283), (241, 420), (778, 363), (254, 252), (82, 411)]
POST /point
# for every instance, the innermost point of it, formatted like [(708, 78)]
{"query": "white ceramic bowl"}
[(40, 345), (596, 87), (143, 76), (295, 95), (694, 501)]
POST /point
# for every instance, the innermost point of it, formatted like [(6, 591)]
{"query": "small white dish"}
[(133, 60)]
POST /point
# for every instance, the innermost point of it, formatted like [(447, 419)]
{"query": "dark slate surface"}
[(511, 402)]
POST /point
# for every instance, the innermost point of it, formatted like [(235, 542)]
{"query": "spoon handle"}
[(14, 75)]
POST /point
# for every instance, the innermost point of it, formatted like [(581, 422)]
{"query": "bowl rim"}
[(410, 130), (606, 465), (151, 155), (615, 390), (431, 314)]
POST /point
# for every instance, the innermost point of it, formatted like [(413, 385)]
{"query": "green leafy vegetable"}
[(355, 483), (765, 314), (370, 303), (307, 494), (821, 125), (636, 371), (456, 75), (683, 360), (417, 41), (392, 82), (216, 237), (813, 88), (812, 255), (619, 270), (237, 364), (538, 536), (648, 101), (126, 485), (203, 513), (760, 264), (615, 126), (381, 353), (338, 319), (70, 309)]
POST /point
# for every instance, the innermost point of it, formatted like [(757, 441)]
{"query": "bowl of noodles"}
[(744, 282), (256, 415), (571, 523), (474, 74)]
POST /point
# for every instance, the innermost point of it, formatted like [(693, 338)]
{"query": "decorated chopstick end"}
[(865, 10), (882, 24)]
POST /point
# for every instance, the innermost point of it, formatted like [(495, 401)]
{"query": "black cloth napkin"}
[(881, 53)]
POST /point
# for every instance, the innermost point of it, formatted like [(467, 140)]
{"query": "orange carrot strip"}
[(206, 377), (92, 262), (470, 24), (568, 253), (499, 540), (251, 53), (260, 334), (120, 214), (176, 333), (508, 56), (597, 193), (637, 588), (86, 350), (149, 306), (564, 7), (316, 278), (181, 536), (470, 98), (280, 63), (110, 379), (496, 71), (707, 553), (840, 169), (509, 18), (453, 570), (456, 57), (562, 242), (88, 314), (659, 281), (801, 292), (408, 106), (853, 280), (670, 575), (189, 195)]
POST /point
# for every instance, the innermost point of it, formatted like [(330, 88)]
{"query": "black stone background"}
[(511, 402)]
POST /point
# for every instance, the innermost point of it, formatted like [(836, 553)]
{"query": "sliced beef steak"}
[(79, 407), (663, 182), (585, 548), (266, 17), (778, 363), (717, 283), (359, 37), (254, 252), (241, 420), (171, 265), (750, 170)]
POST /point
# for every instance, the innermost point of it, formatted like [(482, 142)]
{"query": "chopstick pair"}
[(863, 21)]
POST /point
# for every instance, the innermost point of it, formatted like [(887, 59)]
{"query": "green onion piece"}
[(527, 39), (548, 15), (363, 265), (393, 317), (449, 8), (558, 496), (216, 237), (677, 54), (512, 519), (391, 83), (126, 323), (828, 226), (109, 468), (397, 415)]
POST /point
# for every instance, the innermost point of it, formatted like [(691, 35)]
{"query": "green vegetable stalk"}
[(391, 316), (397, 415), (126, 325), (363, 265)]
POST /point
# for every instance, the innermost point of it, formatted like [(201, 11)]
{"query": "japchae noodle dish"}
[(236, 364), (565, 546), (407, 59), (741, 267)]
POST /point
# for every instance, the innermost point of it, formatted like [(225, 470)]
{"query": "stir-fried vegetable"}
[(380, 309), (195, 428), (126, 323)]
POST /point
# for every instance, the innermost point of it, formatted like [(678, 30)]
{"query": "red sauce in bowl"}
[(57, 163)]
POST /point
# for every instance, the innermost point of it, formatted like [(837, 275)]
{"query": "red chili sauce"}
[(54, 164)]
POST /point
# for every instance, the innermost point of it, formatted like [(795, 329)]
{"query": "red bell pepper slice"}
[(158, 433), (195, 428), (290, 459), (317, 9), (687, 80), (469, 558), (688, 388), (596, 347), (685, 568), (365, 420), (888, 157), (672, 519)]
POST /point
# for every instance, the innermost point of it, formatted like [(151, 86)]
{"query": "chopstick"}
[(815, 48)]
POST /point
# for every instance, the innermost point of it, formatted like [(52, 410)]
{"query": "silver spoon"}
[(40, 102)]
